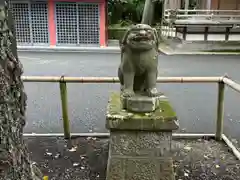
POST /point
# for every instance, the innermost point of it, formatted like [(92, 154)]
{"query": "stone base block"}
[(140, 103), (140, 155), (163, 118), (136, 168), (140, 143)]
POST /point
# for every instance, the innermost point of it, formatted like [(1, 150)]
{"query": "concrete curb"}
[(168, 51), (204, 53), (201, 53), (70, 49), (114, 50), (165, 50), (111, 49)]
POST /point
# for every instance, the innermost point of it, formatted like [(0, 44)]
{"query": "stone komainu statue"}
[(139, 61)]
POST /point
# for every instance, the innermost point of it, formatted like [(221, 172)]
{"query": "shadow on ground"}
[(86, 159)]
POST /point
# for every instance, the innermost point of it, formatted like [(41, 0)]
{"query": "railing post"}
[(220, 111), (63, 91)]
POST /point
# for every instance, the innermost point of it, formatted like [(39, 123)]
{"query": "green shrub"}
[(125, 12), (116, 32)]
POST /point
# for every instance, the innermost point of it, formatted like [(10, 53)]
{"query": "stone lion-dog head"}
[(140, 37)]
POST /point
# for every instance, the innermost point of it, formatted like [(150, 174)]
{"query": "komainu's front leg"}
[(128, 78), (152, 84)]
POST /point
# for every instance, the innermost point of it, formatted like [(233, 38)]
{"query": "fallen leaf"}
[(48, 153), (206, 157), (187, 171), (183, 130), (73, 149), (188, 148), (76, 164), (57, 156), (82, 157)]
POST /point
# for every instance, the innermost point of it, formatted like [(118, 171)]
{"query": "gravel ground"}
[(86, 159), (204, 160)]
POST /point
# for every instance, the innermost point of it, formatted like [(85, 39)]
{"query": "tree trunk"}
[(148, 12), (15, 163), (186, 6)]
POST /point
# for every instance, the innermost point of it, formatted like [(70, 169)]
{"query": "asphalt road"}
[(195, 104)]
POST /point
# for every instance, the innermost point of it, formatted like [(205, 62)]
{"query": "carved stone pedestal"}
[(140, 143), (140, 103)]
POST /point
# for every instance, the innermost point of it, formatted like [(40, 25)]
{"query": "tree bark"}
[(15, 162), (148, 12)]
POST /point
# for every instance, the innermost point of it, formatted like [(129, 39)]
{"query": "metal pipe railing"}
[(180, 14), (64, 80), (63, 92), (231, 84), (231, 146), (204, 10), (205, 15), (220, 111), (116, 80)]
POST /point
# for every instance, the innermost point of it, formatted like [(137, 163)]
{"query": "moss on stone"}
[(162, 118)]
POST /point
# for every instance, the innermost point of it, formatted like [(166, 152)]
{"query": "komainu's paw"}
[(152, 92), (127, 93)]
